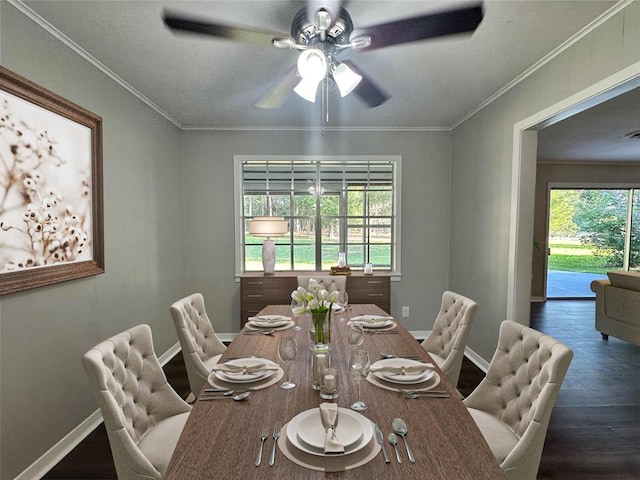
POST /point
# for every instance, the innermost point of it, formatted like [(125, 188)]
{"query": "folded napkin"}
[(412, 369), (370, 319), (329, 417), (244, 369), (270, 319)]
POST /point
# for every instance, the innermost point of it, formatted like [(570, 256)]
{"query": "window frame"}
[(239, 205)]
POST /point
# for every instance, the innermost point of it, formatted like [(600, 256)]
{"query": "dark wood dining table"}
[(221, 438)]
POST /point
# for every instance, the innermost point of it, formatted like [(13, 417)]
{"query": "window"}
[(333, 204)]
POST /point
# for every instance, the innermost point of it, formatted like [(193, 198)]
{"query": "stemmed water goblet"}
[(343, 301), (295, 304), (355, 334), (359, 365), (287, 352)]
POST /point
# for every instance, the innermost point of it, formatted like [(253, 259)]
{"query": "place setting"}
[(406, 376), (375, 323), (267, 323), (329, 438), (252, 373)]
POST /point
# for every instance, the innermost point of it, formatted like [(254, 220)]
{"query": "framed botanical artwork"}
[(51, 213)]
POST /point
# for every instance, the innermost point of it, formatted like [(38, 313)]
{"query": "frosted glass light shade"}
[(312, 64), (346, 79), (307, 89)]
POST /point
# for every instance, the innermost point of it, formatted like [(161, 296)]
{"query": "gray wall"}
[(45, 331), (161, 183), (208, 193), (482, 166), (605, 175)]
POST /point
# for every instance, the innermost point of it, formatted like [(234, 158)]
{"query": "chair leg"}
[(605, 336)]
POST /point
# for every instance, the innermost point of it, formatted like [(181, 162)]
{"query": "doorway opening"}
[(590, 232)]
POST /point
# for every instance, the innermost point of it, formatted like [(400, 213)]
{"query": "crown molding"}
[(18, 4), (546, 59)]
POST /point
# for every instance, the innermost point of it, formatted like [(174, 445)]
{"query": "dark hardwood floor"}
[(594, 432)]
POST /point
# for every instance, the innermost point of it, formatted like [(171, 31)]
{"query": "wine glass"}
[(355, 334), (343, 301), (295, 304), (287, 351), (359, 365)]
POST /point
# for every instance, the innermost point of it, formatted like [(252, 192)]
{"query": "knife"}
[(380, 440)]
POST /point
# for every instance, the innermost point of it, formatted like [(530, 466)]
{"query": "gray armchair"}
[(143, 415)]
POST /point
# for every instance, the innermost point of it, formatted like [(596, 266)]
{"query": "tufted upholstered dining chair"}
[(201, 347), (143, 415), (448, 339), (513, 403), (329, 282)]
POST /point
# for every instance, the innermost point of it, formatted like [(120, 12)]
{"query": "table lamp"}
[(268, 227)]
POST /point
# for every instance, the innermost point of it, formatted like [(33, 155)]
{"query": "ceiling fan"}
[(323, 32)]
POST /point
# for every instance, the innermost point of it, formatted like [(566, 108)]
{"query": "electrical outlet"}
[(405, 312)]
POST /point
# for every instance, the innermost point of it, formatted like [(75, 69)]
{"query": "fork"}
[(263, 437), (276, 434)]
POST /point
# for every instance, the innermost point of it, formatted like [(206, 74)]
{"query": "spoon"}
[(393, 440), (401, 429), (238, 397)]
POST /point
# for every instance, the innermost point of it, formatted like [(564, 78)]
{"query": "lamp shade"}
[(268, 226)]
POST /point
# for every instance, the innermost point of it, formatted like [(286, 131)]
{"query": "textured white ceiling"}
[(205, 82)]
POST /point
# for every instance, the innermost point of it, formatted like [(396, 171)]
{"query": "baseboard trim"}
[(61, 449), (476, 359)]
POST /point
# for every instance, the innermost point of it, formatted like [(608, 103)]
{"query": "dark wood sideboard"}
[(258, 290)]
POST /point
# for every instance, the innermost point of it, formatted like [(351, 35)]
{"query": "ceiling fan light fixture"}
[(312, 64), (307, 89), (346, 79)]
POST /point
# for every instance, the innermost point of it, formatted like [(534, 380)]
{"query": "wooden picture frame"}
[(51, 205)]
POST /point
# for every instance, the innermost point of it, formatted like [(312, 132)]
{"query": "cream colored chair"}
[(143, 415), (448, 339), (201, 347), (513, 403), (329, 282)]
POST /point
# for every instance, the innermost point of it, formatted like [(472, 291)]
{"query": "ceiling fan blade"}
[(211, 28), (367, 90), (331, 6), (275, 97), (420, 28)]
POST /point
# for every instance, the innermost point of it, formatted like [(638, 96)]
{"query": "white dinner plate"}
[(269, 321), (398, 378), (366, 427), (372, 321), (245, 377), (311, 431)]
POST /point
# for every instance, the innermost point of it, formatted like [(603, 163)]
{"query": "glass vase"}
[(320, 330)]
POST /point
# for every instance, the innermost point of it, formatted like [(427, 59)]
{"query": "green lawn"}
[(572, 256), (305, 255)]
